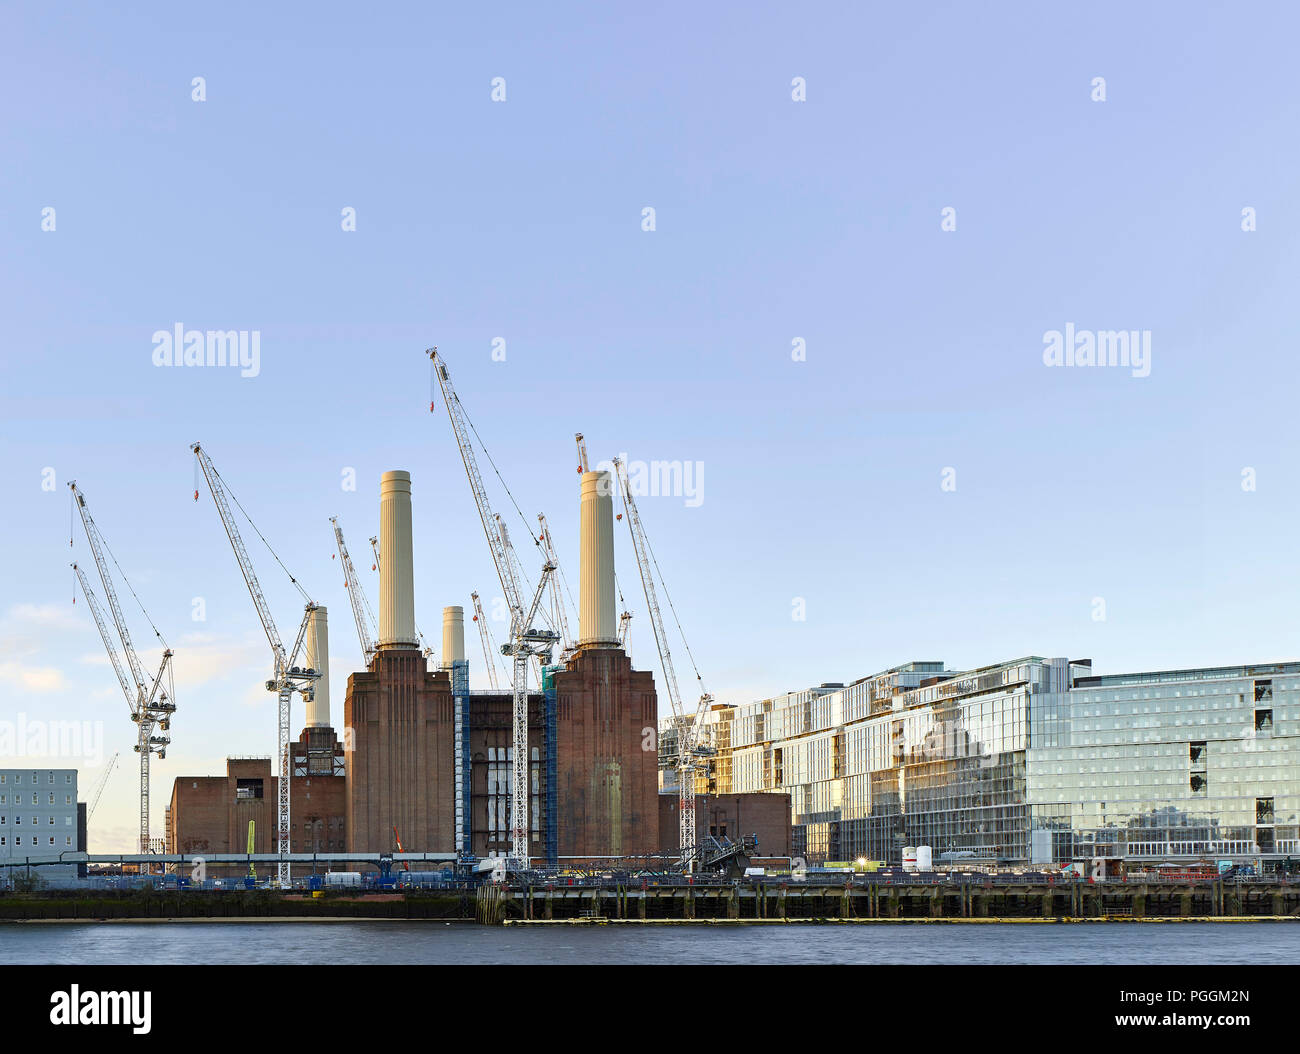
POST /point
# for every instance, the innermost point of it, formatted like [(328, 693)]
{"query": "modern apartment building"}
[(1031, 761)]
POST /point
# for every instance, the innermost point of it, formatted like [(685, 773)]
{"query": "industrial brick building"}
[(211, 814), (428, 763), (433, 760)]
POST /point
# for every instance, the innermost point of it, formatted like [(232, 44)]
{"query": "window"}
[(248, 790), (1263, 810), (1263, 720), (68, 778)]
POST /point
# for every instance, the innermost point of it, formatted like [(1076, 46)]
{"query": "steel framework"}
[(687, 725), (150, 704), (288, 677), (361, 611), (524, 639)]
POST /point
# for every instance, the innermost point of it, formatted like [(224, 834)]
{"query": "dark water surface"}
[(437, 942)]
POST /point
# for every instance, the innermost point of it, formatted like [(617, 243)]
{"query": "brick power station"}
[(424, 760)]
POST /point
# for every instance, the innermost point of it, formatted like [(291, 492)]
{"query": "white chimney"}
[(318, 658), (596, 579), (396, 576), (453, 636)]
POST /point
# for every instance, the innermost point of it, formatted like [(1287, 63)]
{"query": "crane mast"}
[(288, 677), (151, 706), (361, 611), (525, 641), (489, 648), (685, 726)]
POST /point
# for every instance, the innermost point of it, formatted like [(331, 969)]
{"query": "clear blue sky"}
[(775, 220)]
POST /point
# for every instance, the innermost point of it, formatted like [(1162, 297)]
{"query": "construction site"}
[(552, 768), (567, 770)]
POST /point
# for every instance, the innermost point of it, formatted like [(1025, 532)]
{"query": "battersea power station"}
[(429, 758), (422, 764)]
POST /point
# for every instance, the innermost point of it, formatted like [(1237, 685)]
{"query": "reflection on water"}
[(438, 942)]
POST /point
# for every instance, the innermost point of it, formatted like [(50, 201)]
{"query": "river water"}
[(439, 942)]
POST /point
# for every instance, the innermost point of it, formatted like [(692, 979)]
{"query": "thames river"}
[(462, 942)]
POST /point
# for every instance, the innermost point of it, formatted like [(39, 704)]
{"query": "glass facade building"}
[(1031, 761)]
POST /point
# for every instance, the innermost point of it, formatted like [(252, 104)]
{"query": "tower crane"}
[(583, 464), (288, 677), (151, 704), (361, 610), (687, 726), (489, 646), (559, 619), (99, 787), (525, 640)]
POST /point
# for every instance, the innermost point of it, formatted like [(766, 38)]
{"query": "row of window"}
[(67, 799), (18, 820), (18, 778), (32, 840)]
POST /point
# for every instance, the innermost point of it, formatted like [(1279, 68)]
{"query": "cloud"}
[(31, 678), (60, 616)]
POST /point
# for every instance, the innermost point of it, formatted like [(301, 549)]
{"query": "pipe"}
[(318, 658), (396, 574), (453, 636), (596, 619)]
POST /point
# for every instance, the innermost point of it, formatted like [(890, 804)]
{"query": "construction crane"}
[(687, 726), (489, 646), (623, 620), (99, 787), (559, 619), (525, 640), (361, 610), (374, 548), (151, 704), (289, 677), (582, 453)]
